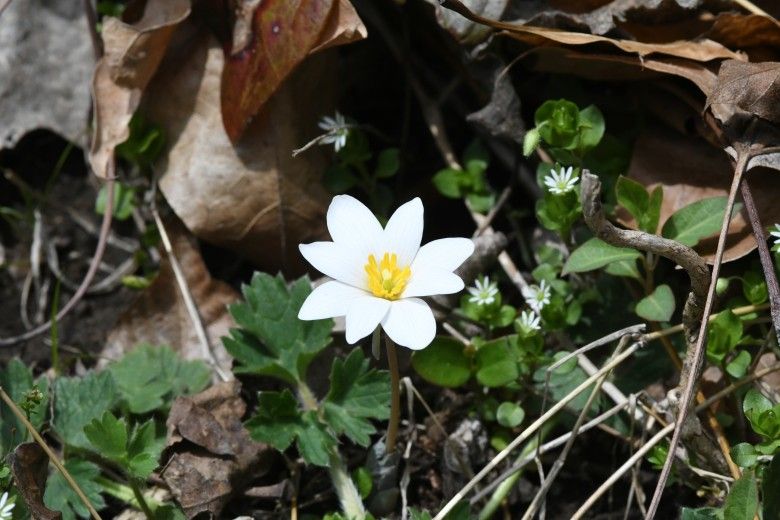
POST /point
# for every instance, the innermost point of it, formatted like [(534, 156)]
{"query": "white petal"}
[(410, 323), (336, 261), (329, 300), (352, 225), (3, 499), (364, 315), (432, 281), (403, 232), (446, 254)]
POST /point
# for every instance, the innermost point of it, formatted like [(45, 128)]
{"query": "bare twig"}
[(97, 43)]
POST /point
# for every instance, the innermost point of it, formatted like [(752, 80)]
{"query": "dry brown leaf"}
[(253, 197), (45, 61), (219, 458), (132, 54), (690, 169), (759, 34), (750, 89), (342, 27), (465, 30), (701, 50), (30, 468), (159, 317)]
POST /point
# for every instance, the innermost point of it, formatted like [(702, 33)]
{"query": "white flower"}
[(528, 322), (337, 131), (776, 234), (379, 274), (6, 507), (561, 182), (484, 293), (537, 296)]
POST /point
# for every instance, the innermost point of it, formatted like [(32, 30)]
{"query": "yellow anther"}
[(386, 279)]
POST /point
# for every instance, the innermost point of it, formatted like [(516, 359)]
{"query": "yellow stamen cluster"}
[(386, 279)]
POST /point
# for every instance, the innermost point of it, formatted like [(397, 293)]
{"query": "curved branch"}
[(683, 255)]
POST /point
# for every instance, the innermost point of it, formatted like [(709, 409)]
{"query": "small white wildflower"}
[(6, 507), (484, 292), (528, 322), (561, 182), (337, 131), (776, 234), (537, 296)]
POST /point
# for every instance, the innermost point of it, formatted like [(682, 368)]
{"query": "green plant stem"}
[(52, 456), (395, 402), (139, 497), (124, 493), (739, 311)]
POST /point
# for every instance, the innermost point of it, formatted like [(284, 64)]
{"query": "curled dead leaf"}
[(30, 467), (342, 27), (252, 197), (211, 455), (132, 54)]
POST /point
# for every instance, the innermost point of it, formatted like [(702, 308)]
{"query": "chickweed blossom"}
[(6, 507), (380, 274), (484, 292), (337, 131), (561, 182), (537, 296), (528, 322)]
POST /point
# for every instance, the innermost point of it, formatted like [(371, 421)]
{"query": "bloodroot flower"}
[(380, 274)]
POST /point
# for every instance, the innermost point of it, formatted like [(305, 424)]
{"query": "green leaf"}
[(278, 422), (659, 306), (754, 288), (60, 497), (591, 127), (698, 220), (510, 414), (702, 513), (417, 514), (339, 178), (625, 268), (742, 502), (443, 362), (738, 366), (449, 182), (653, 215), (16, 379), (475, 158), (149, 377), (632, 196), (594, 254), (744, 455), (108, 436), (531, 141), (356, 394), (558, 123), (725, 331), (770, 485), (78, 400), (363, 481), (272, 340), (496, 363), (387, 163), (481, 202), (124, 201)]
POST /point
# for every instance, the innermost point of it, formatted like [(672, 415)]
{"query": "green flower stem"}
[(348, 495), (139, 497), (395, 402)]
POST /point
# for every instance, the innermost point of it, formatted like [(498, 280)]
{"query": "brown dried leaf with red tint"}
[(253, 197), (132, 54), (159, 317), (30, 468), (282, 34), (219, 458)]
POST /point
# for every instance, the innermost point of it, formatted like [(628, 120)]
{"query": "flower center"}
[(386, 279)]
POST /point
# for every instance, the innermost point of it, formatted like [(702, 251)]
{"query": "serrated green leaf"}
[(697, 220), (16, 379), (149, 378), (78, 400), (277, 419), (594, 254), (314, 441), (356, 394), (659, 306), (496, 363), (108, 436), (60, 497), (144, 449), (272, 340), (443, 363), (742, 502)]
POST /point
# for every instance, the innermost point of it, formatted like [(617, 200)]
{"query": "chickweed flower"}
[(380, 274), (6, 507), (537, 296), (337, 131), (561, 182), (484, 292), (776, 234), (528, 322)]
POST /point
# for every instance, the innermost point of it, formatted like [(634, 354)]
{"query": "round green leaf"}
[(443, 363), (659, 306), (496, 363), (744, 455), (509, 414)]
